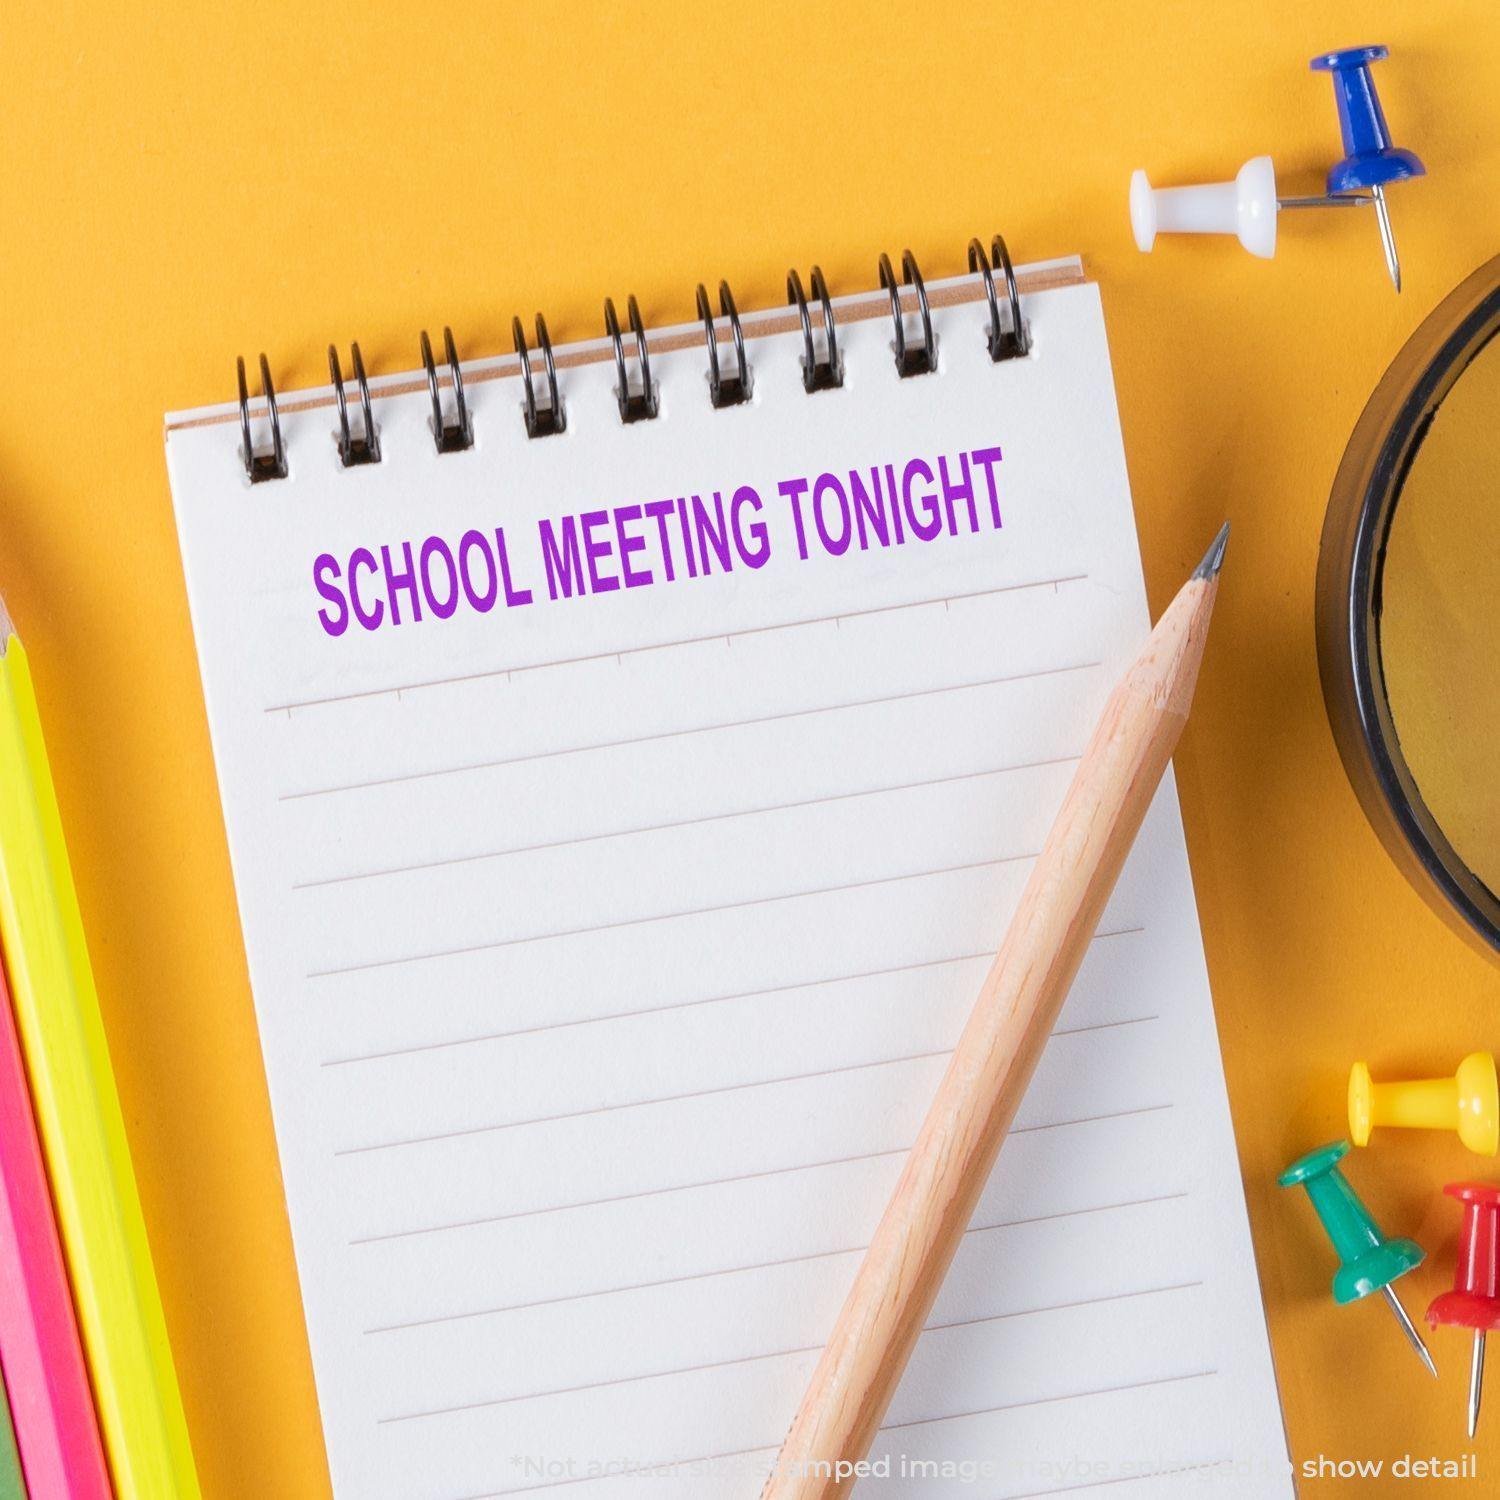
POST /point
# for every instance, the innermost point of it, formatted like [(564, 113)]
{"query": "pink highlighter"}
[(46, 1379)]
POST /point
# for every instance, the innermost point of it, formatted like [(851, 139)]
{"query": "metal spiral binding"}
[(826, 374), (634, 406), (364, 449), (458, 435), (259, 466), (920, 359), (724, 390), (822, 364), (541, 421), (1005, 343)]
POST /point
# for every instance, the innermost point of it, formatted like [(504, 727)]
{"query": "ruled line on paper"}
[(770, 1449), (666, 916), (927, 1055), (1104, 1025), (694, 729), (764, 1172), (1109, 1390), (657, 1010), (748, 1359), (660, 1192), (691, 640), (609, 1109), (699, 1002), (764, 1265), (679, 823)]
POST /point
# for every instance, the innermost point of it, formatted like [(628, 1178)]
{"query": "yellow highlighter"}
[(78, 1115)]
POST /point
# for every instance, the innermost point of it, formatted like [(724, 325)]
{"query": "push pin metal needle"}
[(1474, 1302), (1246, 207), (1370, 160), (1369, 1262), (1409, 1329)]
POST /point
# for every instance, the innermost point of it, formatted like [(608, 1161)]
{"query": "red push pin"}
[(1474, 1301)]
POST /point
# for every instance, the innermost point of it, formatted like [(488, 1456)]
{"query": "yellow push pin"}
[(1469, 1103)]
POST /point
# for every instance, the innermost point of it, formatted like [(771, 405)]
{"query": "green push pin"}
[(1369, 1261)]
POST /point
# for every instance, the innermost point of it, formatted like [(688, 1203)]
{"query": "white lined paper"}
[(607, 951)]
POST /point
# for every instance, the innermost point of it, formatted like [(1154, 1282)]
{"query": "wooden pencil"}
[(46, 1380), (1017, 1008), (78, 1115)]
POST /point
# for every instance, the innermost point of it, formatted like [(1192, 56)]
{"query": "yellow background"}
[(184, 183)]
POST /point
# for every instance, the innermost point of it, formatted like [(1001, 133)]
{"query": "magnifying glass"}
[(1408, 608)]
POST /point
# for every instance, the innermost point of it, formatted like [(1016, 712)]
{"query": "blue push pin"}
[(1370, 160)]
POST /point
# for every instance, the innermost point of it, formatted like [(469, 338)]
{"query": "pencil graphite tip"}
[(1213, 559)]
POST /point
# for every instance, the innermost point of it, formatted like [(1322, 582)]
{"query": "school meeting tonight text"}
[(664, 541)]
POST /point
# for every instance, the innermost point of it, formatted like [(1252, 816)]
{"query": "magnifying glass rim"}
[(1351, 566)]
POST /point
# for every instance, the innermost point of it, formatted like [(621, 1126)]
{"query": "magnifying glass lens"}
[(1439, 616)]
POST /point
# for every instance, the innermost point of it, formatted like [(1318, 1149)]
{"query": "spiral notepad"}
[(631, 751)]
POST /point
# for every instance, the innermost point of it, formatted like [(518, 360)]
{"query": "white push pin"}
[(1245, 208)]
